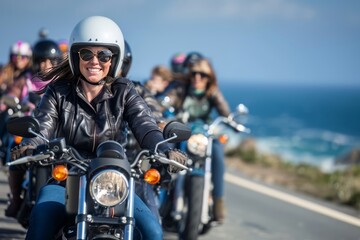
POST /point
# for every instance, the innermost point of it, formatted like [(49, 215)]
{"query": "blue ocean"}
[(302, 124)]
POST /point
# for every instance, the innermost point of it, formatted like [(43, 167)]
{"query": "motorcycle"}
[(35, 178), (188, 208), (14, 108), (99, 191)]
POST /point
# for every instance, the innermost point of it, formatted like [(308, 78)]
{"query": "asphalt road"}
[(254, 212)]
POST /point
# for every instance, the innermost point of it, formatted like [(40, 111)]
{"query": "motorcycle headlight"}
[(197, 144), (109, 188)]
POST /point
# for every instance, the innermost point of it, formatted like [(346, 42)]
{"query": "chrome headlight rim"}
[(197, 144), (105, 201)]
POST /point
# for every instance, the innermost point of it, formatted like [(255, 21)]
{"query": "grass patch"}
[(341, 186)]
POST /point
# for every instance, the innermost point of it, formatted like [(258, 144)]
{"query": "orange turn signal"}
[(60, 173), (17, 139), (152, 176), (223, 138)]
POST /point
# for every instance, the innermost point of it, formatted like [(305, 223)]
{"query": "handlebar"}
[(157, 157), (230, 122), (27, 159)]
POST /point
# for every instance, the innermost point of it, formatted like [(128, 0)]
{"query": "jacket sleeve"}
[(140, 120), (177, 94), (220, 104), (150, 100), (47, 115)]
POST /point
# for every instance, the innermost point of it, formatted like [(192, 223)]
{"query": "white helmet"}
[(21, 48), (97, 31)]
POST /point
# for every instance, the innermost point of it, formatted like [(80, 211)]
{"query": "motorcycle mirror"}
[(20, 126), (182, 131), (242, 109)]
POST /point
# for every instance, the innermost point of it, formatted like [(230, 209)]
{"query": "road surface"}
[(254, 212)]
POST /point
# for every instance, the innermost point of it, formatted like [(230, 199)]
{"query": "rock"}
[(350, 158)]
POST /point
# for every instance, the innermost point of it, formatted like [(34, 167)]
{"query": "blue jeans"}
[(49, 215), (146, 192), (218, 169)]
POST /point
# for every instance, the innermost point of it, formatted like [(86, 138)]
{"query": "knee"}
[(153, 230)]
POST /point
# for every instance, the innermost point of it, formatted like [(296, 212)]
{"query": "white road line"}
[(292, 199)]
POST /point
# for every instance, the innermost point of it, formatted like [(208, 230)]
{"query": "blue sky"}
[(274, 41)]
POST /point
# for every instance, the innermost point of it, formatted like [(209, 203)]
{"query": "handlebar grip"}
[(239, 127), (172, 162)]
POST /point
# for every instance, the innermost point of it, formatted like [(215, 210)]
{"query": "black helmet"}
[(190, 59), (177, 61), (45, 49), (125, 68)]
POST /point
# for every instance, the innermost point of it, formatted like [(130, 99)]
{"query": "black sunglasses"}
[(18, 56), (103, 55), (202, 74)]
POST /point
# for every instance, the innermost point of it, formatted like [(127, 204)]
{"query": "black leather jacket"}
[(65, 112)]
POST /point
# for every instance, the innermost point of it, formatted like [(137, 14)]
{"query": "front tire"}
[(190, 224)]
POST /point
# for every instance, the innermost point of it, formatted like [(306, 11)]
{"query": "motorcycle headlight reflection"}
[(197, 144), (109, 188)]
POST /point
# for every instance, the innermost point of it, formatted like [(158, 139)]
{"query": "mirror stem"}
[(38, 135), (166, 140)]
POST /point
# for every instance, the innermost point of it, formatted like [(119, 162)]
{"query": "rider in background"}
[(177, 65), (45, 55), (202, 97), (159, 81), (18, 70), (167, 90), (15, 80)]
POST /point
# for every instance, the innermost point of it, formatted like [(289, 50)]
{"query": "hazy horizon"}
[(263, 41)]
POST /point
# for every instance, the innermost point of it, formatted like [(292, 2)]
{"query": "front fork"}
[(129, 228), (180, 186), (205, 218), (82, 209)]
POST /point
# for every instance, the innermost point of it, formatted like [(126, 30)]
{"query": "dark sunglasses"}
[(15, 57), (103, 55), (202, 75)]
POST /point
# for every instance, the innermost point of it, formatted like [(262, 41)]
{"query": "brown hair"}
[(163, 72), (62, 71)]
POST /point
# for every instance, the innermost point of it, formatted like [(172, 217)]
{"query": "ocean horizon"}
[(301, 123)]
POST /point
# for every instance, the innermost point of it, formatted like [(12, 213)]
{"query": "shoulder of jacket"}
[(62, 85), (122, 81)]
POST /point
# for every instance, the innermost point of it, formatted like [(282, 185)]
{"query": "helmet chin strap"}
[(101, 82)]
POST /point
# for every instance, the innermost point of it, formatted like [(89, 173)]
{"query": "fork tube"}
[(129, 228), (82, 208), (207, 184)]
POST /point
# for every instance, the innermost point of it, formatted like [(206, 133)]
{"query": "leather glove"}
[(21, 151), (178, 156)]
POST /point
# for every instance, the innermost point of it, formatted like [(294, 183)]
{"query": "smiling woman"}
[(94, 67)]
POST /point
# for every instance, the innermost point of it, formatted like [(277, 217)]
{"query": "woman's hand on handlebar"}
[(21, 151)]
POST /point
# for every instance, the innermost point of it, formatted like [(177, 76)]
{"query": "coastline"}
[(341, 186)]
